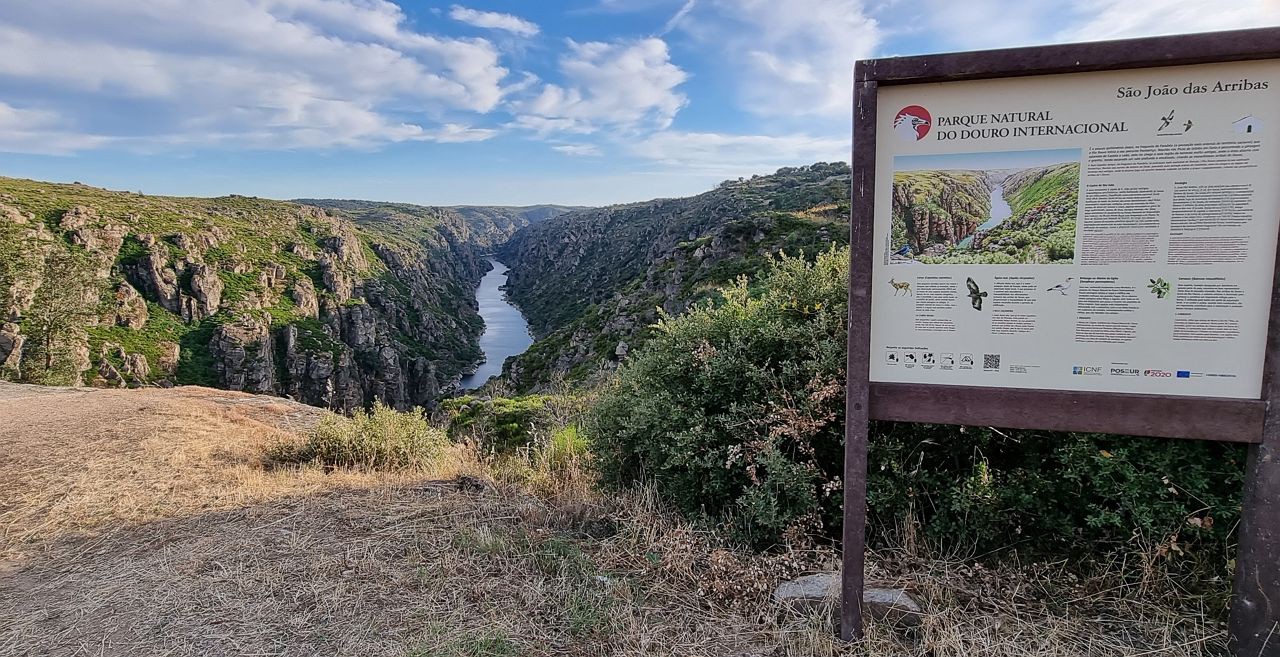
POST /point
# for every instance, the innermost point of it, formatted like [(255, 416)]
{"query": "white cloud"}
[(493, 20), (40, 131), (247, 73), (796, 58), (730, 155), (453, 133), (675, 19), (1115, 19), (580, 150), (624, 85)]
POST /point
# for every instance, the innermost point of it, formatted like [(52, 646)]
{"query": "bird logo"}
[(912, 123), (1062, 288)]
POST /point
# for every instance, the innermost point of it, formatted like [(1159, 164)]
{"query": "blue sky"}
[(483, 102)]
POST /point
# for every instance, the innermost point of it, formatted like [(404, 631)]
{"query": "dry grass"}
[(143, 523)]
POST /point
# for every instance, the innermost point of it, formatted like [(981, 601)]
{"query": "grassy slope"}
[(1042, 227)]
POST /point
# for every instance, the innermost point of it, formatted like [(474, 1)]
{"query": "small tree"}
[(69, 297)]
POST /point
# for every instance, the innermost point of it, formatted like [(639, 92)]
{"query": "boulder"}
[(304, 297), (811, 592), (136, 367), (155, 279), (206, 288), (168, 358), (77, 217), (131, 308), (11, 341), (109, 375)]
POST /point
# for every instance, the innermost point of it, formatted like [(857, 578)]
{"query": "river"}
[(1000, 211), (505, 331)]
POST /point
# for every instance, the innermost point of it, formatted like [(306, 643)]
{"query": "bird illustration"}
[(975, 295), (1062, 287), (1165, 121), (1186, 127)]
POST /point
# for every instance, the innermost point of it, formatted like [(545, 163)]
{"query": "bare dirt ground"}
[(144, 522)]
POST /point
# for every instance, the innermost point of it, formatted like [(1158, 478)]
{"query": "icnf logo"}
[(912, 123)]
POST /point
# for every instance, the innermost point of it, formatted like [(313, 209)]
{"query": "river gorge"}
[(506, 333)]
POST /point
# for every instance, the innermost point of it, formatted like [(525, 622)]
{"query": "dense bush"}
[(505, 424), (376, 439), (735, 412)]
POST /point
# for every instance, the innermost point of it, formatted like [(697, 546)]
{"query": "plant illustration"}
[(1159, 287)]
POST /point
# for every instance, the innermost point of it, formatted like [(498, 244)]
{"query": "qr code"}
[(990, 361)]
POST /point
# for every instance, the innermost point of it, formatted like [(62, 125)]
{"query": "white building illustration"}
[(1248, 125)]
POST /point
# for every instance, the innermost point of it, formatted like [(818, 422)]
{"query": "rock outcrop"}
[(249, 294), (131, 308), (938, 207)]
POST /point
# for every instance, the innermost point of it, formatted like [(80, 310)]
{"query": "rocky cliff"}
[(936, 209), (591, 281), (241, 293)]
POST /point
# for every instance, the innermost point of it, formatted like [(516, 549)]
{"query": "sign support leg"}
[(857, 368), (855, 522), (1255, 601)]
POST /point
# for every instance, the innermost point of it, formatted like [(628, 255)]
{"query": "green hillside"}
[(591, 281), (237, 292)]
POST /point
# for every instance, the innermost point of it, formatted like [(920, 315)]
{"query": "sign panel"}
[(1109, 231)]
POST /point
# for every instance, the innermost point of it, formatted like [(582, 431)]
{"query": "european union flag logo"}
[(1184, 374)]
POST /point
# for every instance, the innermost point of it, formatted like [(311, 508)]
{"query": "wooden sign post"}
[(1122, 276)]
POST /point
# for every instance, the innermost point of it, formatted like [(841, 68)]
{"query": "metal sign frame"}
[(1255, 610)]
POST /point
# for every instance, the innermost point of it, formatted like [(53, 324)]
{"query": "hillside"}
[(484, 226), (1042, 227), (934, 210), (590, 281), (118, 288)]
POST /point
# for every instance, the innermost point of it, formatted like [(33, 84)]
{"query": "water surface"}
[(1000, 211), (505, 331)]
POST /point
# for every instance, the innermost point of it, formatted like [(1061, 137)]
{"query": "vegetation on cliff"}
[(934, 210), (243, 293), (592, 282), (486, 227)]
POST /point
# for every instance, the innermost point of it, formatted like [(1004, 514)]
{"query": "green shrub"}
[(502, 424), (735, 413), (381, 438)]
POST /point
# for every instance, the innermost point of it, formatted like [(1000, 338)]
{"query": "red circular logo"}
[(912, 123)]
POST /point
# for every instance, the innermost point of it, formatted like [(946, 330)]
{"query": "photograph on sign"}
[(1108, 231)]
